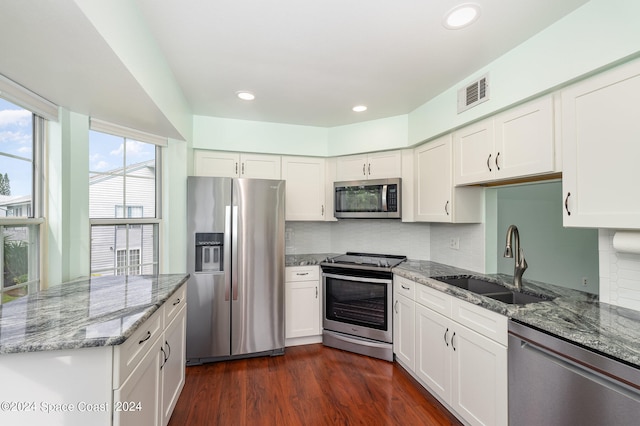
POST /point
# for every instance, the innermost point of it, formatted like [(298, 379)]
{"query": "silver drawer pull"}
[(405, 288), (302, 273), (146, 338), (176, 302)]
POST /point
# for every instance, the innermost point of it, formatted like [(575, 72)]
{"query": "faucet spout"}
[(513, 245)]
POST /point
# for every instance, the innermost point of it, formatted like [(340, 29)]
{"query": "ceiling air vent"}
[(473, 94)]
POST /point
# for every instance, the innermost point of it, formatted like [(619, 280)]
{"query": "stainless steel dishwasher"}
[(554, 382)]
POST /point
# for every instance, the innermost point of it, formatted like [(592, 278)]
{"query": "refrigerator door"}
[(257, 306), (208, 292)]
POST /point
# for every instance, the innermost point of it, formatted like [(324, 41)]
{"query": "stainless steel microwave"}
[(380, 198)]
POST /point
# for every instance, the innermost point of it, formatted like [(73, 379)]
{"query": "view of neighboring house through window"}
[(122, 205), (21, 134)]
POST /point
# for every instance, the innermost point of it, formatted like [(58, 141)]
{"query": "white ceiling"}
[(307, 62)]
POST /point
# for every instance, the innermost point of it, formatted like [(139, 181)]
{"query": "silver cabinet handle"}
[(302, 273), (369, 170), (316, 292), (497, 165), (395, 307), (566, 204), (242, 168), (446, 342), (405, 288), (236, 167), (322, 210), (177, 302), (453, 337), (489, 165), (364, 170), (446, 207)]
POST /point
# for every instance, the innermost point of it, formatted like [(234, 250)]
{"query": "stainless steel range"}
[(358, 298)]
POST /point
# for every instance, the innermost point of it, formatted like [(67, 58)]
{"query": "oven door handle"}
[(358, 279)]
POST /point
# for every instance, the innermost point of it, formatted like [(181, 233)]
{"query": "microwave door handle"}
[(384, 198)]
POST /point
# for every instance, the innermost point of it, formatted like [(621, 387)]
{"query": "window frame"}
[(130, 223), (34, 220)]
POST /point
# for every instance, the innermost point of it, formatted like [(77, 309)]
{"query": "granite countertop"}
[(572, 315), (101, 311), (306, 259)]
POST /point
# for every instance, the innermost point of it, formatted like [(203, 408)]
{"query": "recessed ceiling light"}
[(359, 108), (245, 96), (461, 16)]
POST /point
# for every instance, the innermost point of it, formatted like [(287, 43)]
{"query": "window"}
[(21, 141), (123, 204)]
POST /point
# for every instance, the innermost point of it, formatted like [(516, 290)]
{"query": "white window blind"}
[(117, 130), (25, 98)]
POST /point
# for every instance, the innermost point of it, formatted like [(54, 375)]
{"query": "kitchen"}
[(164, 104)]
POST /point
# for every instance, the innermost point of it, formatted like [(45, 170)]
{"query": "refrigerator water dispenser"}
[(209, 252)]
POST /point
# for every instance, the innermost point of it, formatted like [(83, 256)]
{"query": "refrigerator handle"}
[(227, 252), (235, 272)]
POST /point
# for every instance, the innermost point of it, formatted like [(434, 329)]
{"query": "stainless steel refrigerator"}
[(236, 259)]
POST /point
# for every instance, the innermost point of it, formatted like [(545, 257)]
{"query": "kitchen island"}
[(105, 350)]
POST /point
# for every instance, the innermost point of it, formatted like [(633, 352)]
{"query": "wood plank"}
[(310, 385)]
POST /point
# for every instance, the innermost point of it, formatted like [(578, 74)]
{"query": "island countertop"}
[(100, 311)]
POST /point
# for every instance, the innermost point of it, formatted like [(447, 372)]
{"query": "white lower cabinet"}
[(150, 392), (302, 303), (404, 321), (460, 354)]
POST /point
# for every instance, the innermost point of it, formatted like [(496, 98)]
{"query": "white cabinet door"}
[(351, 167), (305, 188), (233, 164), (524, 143), (474, 159), (433, 354), (479, 390), (433, 181), (302, 302), (258, 166), (436, 199), (173, 369), (384, 165), (601, 149), (214, 163), (378, 165), (404, 330), (137, 401)]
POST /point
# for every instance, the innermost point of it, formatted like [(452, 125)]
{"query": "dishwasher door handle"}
[(609, 382)]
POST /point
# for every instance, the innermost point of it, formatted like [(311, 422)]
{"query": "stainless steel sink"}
[(490, 289), (515, 298), (475, 285)]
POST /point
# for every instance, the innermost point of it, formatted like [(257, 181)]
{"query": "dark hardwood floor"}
[(309, 385)]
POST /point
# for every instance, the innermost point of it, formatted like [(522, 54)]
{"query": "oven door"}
[(360, 306)]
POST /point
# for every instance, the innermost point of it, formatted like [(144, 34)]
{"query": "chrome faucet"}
[(520, 263)]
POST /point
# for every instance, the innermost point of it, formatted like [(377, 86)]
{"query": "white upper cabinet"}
[(514, 144), (436, 200), (377, 165), (305, 193), (233, 164), (601, 149)]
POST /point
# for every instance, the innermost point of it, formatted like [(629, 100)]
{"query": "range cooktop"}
[(369, 261)]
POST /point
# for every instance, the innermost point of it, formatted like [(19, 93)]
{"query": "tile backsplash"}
[(421, 241), (619, 273), (366, 235)]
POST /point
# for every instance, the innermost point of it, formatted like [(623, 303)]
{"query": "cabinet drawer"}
[(405, 287), (481, 320), (173, 305), (302, 273), (434, 299), (130, 353)]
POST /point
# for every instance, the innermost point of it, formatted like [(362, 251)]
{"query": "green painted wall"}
[(556, 255)]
